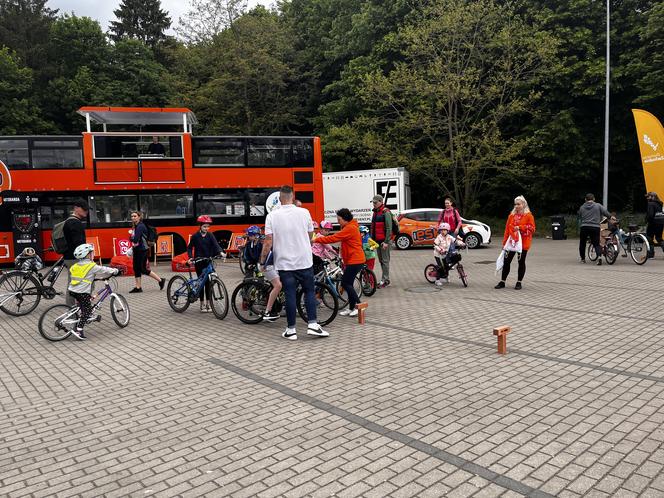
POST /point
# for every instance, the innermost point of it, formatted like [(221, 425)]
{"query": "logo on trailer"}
[(389, 189), (272, 201), (23, 222)]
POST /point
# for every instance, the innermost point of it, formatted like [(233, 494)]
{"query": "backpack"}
[(151, 238), (395, 224), (58, 239)]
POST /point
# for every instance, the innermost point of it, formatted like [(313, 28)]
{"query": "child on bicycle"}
[(83, 274), (445, 253), (369, 245), (322, 251), (203, 244), (251, 254)]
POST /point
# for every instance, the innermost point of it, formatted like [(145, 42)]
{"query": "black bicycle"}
[(249, 300), (22, 290)]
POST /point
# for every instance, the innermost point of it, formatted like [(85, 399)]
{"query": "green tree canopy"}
[(142, 20)]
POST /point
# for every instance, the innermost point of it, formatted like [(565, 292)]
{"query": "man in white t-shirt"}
[(288, 232)]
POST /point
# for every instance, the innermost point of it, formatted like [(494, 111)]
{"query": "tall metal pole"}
[(605, 196)]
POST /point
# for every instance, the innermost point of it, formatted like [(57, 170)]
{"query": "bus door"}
[(25, 221)]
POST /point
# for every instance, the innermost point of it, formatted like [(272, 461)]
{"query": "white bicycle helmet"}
[(83, 250)]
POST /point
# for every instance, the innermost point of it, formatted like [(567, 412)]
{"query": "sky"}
[(103, 10)]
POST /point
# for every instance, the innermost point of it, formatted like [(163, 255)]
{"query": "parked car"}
[(417, 227)]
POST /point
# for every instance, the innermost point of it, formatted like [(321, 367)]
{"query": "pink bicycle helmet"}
[(326, 224), (444, 226)]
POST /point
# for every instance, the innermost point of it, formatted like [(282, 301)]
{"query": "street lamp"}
[(605, 195)]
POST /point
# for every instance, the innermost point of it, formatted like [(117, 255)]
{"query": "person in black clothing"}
[(74, 232), (204, 245), (655, 219), (251, 254), (156, 148), (139, 237)]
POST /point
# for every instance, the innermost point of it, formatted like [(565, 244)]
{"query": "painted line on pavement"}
[(442, 455)]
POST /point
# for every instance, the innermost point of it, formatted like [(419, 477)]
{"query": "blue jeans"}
[(289, 281)]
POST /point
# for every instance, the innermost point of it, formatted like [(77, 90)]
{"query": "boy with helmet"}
[(369, 245), (444, 252), (83, 274), (203, 245), (252, 249)]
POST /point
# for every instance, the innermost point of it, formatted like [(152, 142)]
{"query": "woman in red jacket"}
[(520, 221), (352, 254)]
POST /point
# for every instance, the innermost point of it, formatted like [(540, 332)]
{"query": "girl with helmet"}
[(322, 251), (83, 274), (445, 253), (369, 245), (203, 244)]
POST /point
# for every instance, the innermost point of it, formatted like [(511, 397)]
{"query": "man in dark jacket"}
[(74, 232), (590, 215), (381, 232), (655, 219)]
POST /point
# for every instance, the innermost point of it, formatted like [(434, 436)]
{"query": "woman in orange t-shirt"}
[(520, 221)]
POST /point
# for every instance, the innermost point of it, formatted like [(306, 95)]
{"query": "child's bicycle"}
[(633, 243), (432, 271), (182, 292), (250, 299), (58, 321)]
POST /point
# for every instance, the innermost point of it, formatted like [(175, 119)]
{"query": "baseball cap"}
[(377, 197)]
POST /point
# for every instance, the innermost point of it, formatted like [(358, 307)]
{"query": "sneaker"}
[(500, 285), (439, 282), (162, 282), (208, 309), (317, 330), (355, 312), (135, 290), (203, 309), (345, 312), (599, 262), (78, 334), (270, 316), (518, 286), (383, 283), (582, 261), (289, 334)]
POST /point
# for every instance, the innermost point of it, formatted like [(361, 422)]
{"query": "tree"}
[(207, 18), (24, 28), (20, 115), (142, 20), (468, 70)]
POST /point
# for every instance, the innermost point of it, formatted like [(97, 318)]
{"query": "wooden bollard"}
[(501, 334), (361, 308)]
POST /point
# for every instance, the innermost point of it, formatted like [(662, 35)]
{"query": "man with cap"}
[(74, 232), (381, 231)]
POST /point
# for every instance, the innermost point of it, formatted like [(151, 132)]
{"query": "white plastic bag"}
[(500, 261), (130, 252), (514, 245)]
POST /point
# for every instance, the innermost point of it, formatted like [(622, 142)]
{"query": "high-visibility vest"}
[(79, 272)]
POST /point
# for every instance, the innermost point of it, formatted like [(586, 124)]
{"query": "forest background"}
[(478, 99)]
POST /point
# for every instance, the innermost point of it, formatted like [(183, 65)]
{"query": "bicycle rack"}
[(501, 334), (361, 308)]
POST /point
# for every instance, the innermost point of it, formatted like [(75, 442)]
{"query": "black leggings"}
[(84, 302), (509, 256), (654, 232), (350, 272), (200, 267), (586, 233), (445, 263)]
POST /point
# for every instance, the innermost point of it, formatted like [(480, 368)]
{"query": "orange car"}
[(418, 227)]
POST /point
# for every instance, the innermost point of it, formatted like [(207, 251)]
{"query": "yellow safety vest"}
[(79, 272)]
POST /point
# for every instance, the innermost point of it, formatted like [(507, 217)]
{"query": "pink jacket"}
[(324, 251)]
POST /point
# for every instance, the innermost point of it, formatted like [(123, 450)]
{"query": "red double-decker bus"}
[(147, 159)]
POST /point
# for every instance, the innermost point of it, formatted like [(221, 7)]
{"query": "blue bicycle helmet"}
[(253, 230), (364, 229)]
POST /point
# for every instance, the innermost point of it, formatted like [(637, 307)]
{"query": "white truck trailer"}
[(354, 190)]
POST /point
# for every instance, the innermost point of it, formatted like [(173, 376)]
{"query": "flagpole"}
[(605, 196)]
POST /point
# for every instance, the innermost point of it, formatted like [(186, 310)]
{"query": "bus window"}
[(303, 152), (111, 208), (56, 209), (56, 154), (133, 147), (14, 153), (218, 152), (257, 202), (227, 204), (166, 205), (268, 152)]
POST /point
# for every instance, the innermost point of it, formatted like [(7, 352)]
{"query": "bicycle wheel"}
[(431, 273), (327, 304), (218, 298), (611, 253), (368, 281), (592, 254), (20, 292), (243, 266), (638, 248), (462, 274), (178, 292), (57, 322), (249, 300), (120, 310)]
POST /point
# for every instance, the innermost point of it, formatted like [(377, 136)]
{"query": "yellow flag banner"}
[(651, 144)]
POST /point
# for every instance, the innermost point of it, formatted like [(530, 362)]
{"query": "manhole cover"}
[(484, 262), (422, 290)]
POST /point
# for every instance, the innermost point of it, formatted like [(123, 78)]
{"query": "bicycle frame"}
[(104, 294)]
